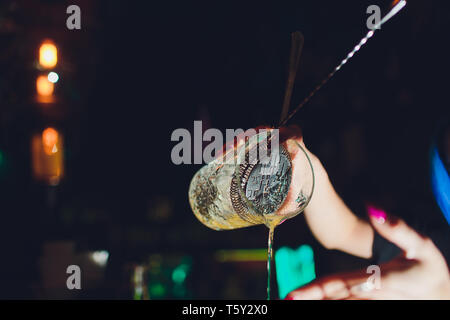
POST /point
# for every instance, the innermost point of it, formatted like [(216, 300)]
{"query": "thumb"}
[(398, 232)]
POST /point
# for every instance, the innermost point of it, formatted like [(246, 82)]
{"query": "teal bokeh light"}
[(294, 268)]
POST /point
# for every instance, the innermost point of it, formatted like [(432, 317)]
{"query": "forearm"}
[(333, 224), (444, 292)]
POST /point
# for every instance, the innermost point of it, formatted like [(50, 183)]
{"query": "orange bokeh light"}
[(48, 54), (48, 156), (44, 87), (50, 140)]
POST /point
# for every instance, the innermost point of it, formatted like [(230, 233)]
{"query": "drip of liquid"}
[(269, 259), (271, 224)]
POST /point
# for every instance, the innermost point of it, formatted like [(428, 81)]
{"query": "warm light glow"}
[(50, 140), (44, 87), (48, 55), (48, 156)]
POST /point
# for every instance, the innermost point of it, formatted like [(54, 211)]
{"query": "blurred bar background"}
[(86, 117)]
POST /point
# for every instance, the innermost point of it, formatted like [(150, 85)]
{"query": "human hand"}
[(419, 273)]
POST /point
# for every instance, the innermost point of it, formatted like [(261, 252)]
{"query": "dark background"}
[(137, 70)]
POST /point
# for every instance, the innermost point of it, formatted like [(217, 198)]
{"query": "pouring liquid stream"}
[(271, 224), (269, 259)]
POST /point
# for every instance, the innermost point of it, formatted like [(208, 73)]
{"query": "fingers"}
[(310, 292), (357, 285), (291, 132), (339, 286), (398, 232), (285, 133), (350, 286), (239, 139), (374, 295)]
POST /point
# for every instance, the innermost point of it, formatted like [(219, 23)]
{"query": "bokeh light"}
[(53, 77), (50, 140), (48, 54), (44, 88)]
